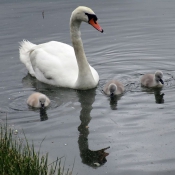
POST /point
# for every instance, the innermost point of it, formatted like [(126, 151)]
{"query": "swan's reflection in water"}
[(29, 81), (89, 157)]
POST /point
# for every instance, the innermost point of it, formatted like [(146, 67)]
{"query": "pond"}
[(139, 126)]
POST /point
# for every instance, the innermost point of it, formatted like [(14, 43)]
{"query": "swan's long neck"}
[(85, 77)]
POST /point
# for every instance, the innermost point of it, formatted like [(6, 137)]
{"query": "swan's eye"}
[(92, 16)]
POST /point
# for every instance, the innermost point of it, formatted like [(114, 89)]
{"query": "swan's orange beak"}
[(95, 25)]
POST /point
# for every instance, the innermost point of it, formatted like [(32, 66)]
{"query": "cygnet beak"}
[(42, 105), (161, 81), (112, 95)]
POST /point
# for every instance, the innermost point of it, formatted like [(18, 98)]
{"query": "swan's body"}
[(60, 64), (152, 80), (38, 100), (113, 87)]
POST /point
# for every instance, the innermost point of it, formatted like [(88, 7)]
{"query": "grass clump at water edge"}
[(17, 158)]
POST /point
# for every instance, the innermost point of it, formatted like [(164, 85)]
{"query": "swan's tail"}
[(24, 55)]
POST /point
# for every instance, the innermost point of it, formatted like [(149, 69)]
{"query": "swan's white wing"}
[(54, 63)]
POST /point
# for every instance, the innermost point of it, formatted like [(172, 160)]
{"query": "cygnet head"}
[(42, 100), (112, 89), (85, 14), (159, 76)]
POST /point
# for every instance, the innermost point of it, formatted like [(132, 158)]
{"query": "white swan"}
[(60, 64), (113, 87), (152, 80), (38, 100)]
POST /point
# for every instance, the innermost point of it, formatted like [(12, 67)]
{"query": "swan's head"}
[(85, 14), (112, 89), (42, 100), (159, 76)]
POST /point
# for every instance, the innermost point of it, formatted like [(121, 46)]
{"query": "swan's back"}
[(49, 62)]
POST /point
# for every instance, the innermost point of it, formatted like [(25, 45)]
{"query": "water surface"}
[(139, 127)]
